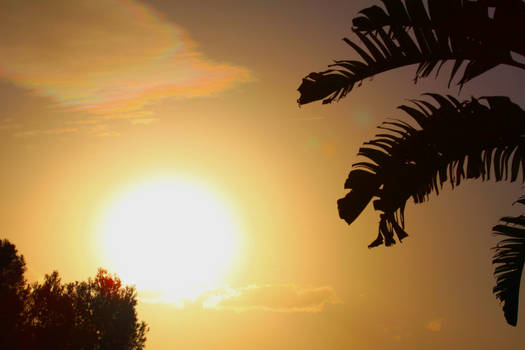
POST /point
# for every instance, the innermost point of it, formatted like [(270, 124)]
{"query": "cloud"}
[(107, 57), (143, 121), (434, 325), (56, 131), (103, 130), (83, 122), (269, 297), (272, 297), (8, 124)]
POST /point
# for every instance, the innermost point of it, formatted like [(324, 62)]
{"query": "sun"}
[(170, 237)]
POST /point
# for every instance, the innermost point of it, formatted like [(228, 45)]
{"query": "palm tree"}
[(447, 139)]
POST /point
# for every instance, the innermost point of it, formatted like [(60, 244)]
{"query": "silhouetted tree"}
[(96, 314), (49, 315), (110, 321), (447, 140), (13, 293)]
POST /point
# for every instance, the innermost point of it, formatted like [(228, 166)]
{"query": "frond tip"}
[(509, 259), (447, 141)]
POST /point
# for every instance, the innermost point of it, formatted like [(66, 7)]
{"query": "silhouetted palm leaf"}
[(450, 141), (406, 33), (509, 260)]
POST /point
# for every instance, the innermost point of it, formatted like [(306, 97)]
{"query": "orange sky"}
[(93, 105)]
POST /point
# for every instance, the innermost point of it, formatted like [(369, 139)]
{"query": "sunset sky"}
[(162, 140)]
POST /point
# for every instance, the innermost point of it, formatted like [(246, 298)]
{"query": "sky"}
[(114, 104)]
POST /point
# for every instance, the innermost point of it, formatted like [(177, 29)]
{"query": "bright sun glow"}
[(169, 237)]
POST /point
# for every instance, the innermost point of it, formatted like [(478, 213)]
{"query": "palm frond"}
[(509, 259), (449, 141), (406, 33)]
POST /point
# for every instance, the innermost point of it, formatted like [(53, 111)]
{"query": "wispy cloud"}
[(268, 297), (107, 57), (56, 131), (143, 121), (9, 124), (103, 130), (272, 297)]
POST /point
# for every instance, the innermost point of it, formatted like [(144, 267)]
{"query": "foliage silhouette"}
[(448, 140), (406, 33), (95, 314), (13, 293), (510, 257)]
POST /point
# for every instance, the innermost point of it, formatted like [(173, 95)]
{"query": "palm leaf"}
[(405, 33), (509, 259), (451, 141)]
